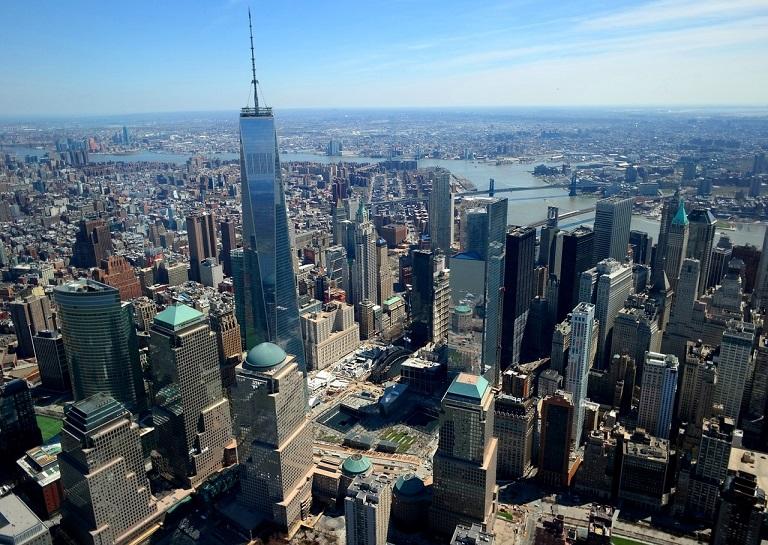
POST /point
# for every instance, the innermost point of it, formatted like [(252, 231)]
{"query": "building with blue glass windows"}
[(263, 271)]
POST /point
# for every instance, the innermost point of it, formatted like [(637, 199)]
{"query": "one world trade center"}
[(263, 274)]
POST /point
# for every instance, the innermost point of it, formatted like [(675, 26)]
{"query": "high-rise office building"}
[(274, 436), (190, 411), (613, 217), (144, 310), (514, 422), (741, 512), (641, 245), (749, 254), (92, 244), (561, 344), (734, 367), (107, 498), (546, 239), (485, 246), (657, 396), (644, 477), (494, 281), (211, 272), (263, 273), (52, 361), (669, 206), (384, 279), (760, 295), (465, 461), (441, 212), (30, 315), (576, 258), (697, 387), (753, 421), (677, 244), (721, 256), (228, 243), (680, 327), (701, 239), (201, 236), (18, 427), (556, 463), (329, 334), (224, 325), (607, 285), (518, 291), (711, 468), (636, 331), (367, 506), (363, 269), (579, 363), (100, 342), (474, 232), (430, 298)]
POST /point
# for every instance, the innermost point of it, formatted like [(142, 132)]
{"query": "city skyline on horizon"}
[(656, 54)]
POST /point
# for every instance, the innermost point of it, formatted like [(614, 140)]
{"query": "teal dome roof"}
[(264, 356), (409, 485), (357, 464), (463, 309)]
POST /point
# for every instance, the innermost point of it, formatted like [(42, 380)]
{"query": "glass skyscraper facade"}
[(100, 342), (494, 281), (265, 291)]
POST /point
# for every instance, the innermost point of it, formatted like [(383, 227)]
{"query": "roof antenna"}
[(253, 66)]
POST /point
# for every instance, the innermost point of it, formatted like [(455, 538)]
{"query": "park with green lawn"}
[(49, 426)]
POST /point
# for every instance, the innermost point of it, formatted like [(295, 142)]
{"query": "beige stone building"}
[(274, 437), (329, 335), (107, 498)]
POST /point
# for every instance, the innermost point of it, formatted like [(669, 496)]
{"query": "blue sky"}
[(80, 57)]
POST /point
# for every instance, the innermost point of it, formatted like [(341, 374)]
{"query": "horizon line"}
[(593, 107)]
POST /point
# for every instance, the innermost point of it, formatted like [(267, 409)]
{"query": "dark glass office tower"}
[(518, 291), (641, 245), (265, 294), (100, 342), (577, 258), (701, 239), (228, 243), (422, 297)]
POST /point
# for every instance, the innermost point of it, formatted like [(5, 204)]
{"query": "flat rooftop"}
[(17, 519), (750, 461)]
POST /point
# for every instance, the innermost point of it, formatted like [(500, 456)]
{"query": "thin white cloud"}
[(675, 11), (714, 37)]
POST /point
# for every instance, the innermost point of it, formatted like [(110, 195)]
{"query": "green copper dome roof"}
[(463, 309), (681, 218), (264, 356), (357, 464), (409, 485)]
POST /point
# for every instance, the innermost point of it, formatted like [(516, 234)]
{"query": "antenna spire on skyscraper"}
[(253, 67)]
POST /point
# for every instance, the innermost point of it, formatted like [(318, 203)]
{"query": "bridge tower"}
[(572, 192), (491, 185)]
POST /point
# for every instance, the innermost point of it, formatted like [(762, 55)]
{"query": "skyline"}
[(176, 57)]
